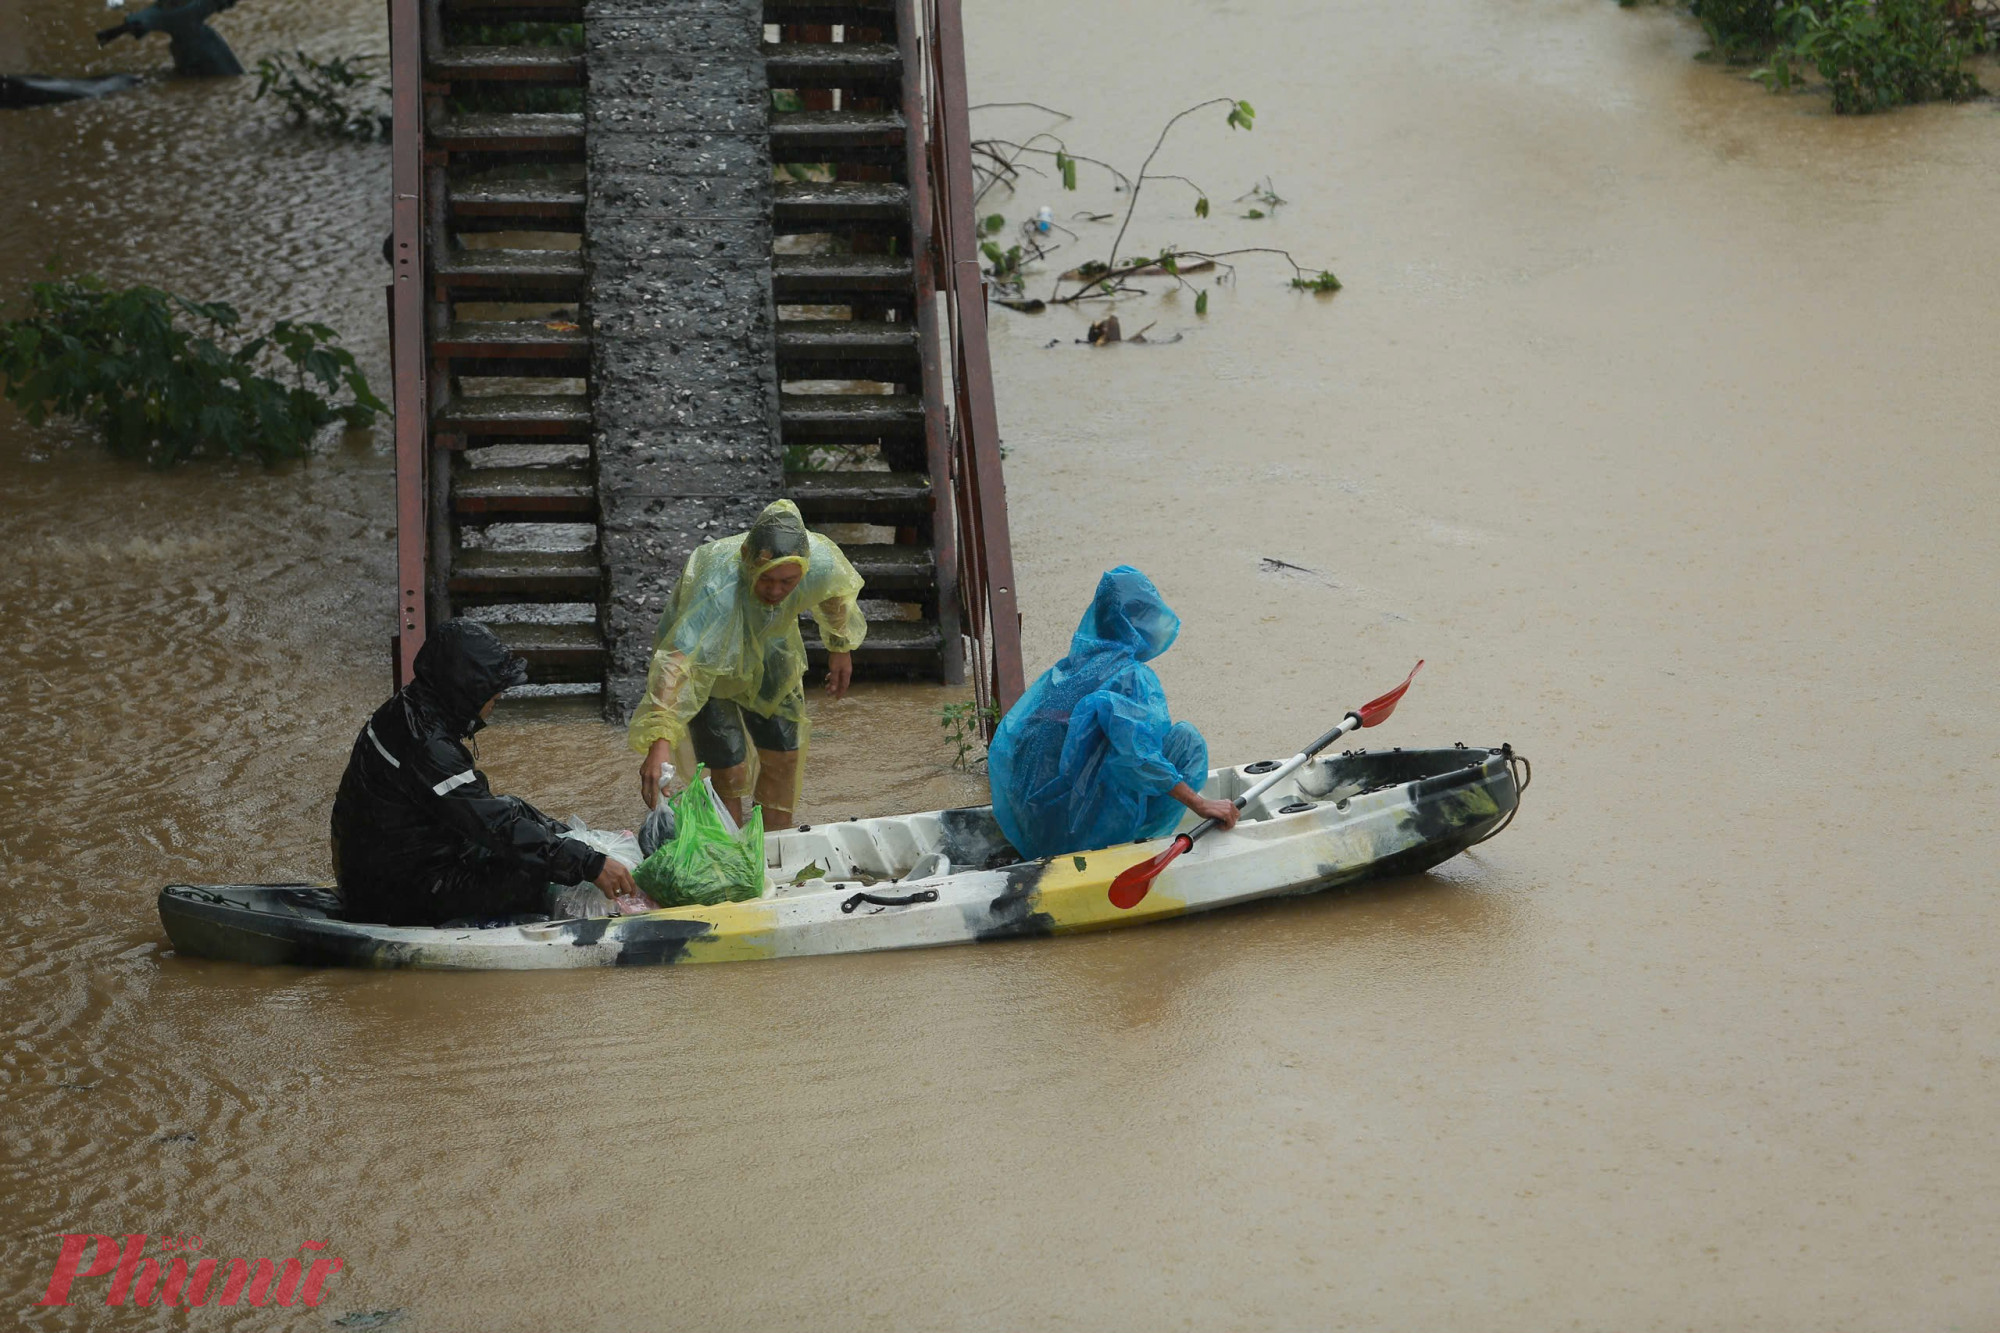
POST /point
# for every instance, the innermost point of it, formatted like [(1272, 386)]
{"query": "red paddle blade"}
[(1378, 710), (1135, 882)]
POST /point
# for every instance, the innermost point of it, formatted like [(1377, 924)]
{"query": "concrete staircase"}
[(655, 303)]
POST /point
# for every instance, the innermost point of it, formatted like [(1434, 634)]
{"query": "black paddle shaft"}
[(1194, 834)]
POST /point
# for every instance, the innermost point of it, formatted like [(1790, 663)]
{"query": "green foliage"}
[(1003, 266), (1266, 195), (965, 726), (1066, 165), (1241, 115), (992, 224), (1201, 207), (1875, 54), (784, 99), (126, 361), (1321, 282), (1738, 30), (1201, 302), (339, 97)]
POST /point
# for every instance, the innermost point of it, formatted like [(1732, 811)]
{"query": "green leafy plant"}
[(1265, 200), (340, 97), (965, 728), (1003, 266), (1001, 163), (165, 378), (1738, 30), (1876, 54)]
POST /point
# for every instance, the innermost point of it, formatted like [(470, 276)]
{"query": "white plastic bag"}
[(621, 846), (586, 900)]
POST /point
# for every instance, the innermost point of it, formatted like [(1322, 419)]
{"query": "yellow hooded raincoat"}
[(718, 640)]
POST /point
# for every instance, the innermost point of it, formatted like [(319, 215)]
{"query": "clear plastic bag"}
[(658, 830), (587, 900)]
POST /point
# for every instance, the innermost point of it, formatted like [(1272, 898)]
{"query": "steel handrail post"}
[(981, 426), (406, 303), (917, 111)]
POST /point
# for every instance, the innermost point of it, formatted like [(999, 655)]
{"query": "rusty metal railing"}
[(406, 331), (974, 549)]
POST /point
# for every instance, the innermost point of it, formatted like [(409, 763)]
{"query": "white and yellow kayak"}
[(942, 877)]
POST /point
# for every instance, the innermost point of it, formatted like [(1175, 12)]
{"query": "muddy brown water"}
[(1658, 415)]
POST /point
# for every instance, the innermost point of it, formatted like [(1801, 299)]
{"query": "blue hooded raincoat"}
[(1088, 756)]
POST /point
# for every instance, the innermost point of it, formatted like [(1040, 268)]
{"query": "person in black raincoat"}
[(418, 837)]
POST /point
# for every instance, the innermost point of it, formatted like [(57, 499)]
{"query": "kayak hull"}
[(918, 881)]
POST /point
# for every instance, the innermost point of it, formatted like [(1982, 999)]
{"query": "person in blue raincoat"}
[(1089, 757)]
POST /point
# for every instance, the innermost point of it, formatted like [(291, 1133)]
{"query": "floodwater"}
[(1657, 415)]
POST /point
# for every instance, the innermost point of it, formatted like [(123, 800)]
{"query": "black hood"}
[(461, 665)]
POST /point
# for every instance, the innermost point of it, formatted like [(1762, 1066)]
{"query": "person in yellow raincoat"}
[(728, 667)]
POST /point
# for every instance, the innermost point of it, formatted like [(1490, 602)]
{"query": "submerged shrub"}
[(339, 97), (1738, 29), (163, 389), (1876, 54)]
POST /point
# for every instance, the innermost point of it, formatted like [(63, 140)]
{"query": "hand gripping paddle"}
[(1133, 884)]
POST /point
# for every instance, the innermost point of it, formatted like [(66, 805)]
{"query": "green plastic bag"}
[(704, 863)]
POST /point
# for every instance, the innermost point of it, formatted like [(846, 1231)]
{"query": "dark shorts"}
[(722, 733)]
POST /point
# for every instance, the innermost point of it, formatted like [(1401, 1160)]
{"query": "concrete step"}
[(849, 418), (546, 417), (836, 136), (860, 13), (556, 654), (873, 68), (841, 279), (814, 206), (524, 494), (557, 66), (899, 573), (889, 498), (551, 205), (567, 709), (501, 275), (540, 348), (847, 349), (893, 647), (512, 11), (857, 13), (541, 133), (481, 578)]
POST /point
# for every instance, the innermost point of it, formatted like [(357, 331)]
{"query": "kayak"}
[(941, 877)]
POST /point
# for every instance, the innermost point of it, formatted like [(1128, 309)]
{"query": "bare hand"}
[(615, 879), (1224, 813), (656, 772), (839, 673)]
